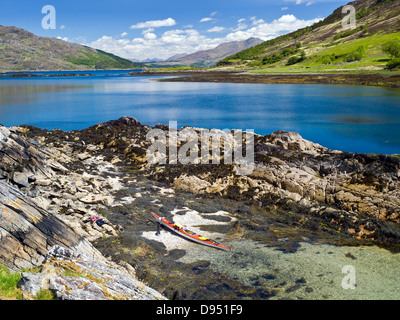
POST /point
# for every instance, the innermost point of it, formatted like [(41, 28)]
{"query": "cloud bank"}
[(154, 24), (155, 45)]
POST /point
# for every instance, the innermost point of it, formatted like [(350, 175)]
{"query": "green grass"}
[(8, 284), (176, 69), (373, 58), (45, 294), (103, 60)]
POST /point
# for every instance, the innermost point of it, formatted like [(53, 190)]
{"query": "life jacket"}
[(98, 221)]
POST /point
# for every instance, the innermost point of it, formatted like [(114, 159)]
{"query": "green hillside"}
[(20, 50), (102, 60), (326, 46)]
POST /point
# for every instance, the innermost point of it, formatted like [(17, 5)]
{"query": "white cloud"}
[(284, 8), (124, 34), (154, 24), (147, 30), (266, 31), (310, 2), (137, 40), (65, 38), (216, 29), (173, 36), (307, 2), (287, 19), (206, 19), (256, 22), (150, 36), (241, 25), (171, 42), (62, 27)]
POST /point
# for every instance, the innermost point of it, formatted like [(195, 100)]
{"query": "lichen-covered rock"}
[(90, 279), (75, 288), (33, 283)]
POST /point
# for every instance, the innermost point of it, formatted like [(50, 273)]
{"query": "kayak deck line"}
[(190, 235)]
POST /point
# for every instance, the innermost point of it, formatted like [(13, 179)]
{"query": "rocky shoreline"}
[(53, 182), (46, 210), (367, 79)]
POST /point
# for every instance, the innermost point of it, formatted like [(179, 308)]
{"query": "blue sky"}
[(158, 29)]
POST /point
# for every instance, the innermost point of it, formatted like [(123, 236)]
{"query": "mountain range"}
[(22, 50), (207, 58)]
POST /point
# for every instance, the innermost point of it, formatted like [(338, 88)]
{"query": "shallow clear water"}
[(312, 272), (307, 268), (349, 118)]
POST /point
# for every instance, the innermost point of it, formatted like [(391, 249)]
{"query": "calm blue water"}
[(349, 118)]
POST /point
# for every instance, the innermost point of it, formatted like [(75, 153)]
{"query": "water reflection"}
[(17, 93)]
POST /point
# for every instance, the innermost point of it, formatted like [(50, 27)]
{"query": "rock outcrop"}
[(48, 204), (27, 231), (348, 193), (52, 184), (88, 279), (353, 194)]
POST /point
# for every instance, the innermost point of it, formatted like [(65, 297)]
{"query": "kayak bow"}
[(186, 233)]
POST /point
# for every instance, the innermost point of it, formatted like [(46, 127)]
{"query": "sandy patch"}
[(193, 220)]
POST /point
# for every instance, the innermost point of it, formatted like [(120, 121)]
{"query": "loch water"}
[(348, 118)]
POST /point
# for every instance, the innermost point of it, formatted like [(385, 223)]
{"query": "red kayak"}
[(186, 233)]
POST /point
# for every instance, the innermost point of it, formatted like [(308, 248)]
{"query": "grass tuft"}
[(8, 285)]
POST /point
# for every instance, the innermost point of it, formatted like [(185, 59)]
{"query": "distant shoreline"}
[(61, 72), (366, 79), (32, 75), (358, 79)]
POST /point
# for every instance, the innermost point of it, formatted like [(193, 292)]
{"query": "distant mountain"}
[(176, 57), (22, 50), (326, 45), (208, 58)]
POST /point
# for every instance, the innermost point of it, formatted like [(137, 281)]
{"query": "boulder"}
[(32, 283), (191, 183), (94, 199), (293, 141), (83, 156), (21, 179)]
